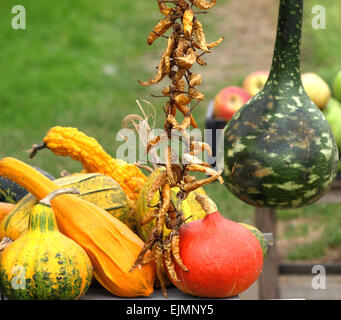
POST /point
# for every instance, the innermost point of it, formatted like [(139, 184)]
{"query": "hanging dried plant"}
[(185, 47)]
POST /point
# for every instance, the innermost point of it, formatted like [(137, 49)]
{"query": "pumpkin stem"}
[(5, 243), (207, 204), (47, 200)]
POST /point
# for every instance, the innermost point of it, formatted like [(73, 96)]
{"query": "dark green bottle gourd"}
[(279, 151)]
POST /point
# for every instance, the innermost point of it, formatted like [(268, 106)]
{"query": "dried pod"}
[(175, 242), (158, 257), (161, 27), (195, 94), (163, 8), (185, 111), (181, 48), (183, 5), (167, 91), (182, 99), (203, 4), (215, 43), (181, 85), (187, 21), (195, 79), (199, 33), (160, 74), (188, 60), (167, 54), (169, 261)]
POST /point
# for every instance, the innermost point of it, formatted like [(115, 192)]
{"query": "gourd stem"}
[(47, 200), (5, 243), (206, 203), (287, 52)]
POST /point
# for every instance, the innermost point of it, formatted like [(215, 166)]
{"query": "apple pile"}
[(230, 99)]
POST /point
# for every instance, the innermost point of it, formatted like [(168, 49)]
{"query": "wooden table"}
[(266, 222)]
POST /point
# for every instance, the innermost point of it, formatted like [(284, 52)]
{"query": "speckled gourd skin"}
[(279, 150), (44, 264)]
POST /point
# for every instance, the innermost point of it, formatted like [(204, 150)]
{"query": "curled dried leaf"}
[(185, 111), (158, 257), (195, 79), (148, 217), (215, 43), (187, 21), (200, 168), (167, 91), (183, 5), (182, 99), (199, 33), (168, 52), (189, 187), (160, 74), (169, 261), (164, 9), (159, 181), (195, 94), (175, 243), (198, 147), (203, 4), (188, 60), (161, 27)]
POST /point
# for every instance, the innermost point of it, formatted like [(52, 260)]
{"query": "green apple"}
[(316, 88), (332, 113), (337, 86)]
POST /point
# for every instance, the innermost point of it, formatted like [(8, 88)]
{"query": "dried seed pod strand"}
[(187, 21), (203, 4), (169, 261), (175, 243)]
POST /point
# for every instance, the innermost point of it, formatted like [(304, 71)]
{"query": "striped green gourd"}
[(279, 151), (44, 264)]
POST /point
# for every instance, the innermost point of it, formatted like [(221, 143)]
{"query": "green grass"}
[(54, 73)]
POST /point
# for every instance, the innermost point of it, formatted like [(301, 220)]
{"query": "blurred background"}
[(78, 62)]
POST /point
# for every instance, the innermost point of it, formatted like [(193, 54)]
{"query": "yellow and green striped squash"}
[(97, 188), (44, 264)]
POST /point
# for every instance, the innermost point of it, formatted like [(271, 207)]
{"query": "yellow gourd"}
[(44, 264)]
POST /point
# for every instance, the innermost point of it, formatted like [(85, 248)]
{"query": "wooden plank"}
[(268, 280)]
